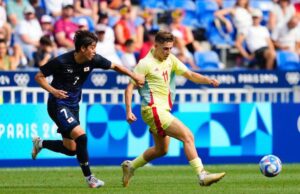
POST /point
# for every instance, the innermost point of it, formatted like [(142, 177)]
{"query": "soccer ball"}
[(270, 165)]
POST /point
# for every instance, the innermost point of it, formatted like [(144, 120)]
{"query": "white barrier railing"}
[(114, 96)]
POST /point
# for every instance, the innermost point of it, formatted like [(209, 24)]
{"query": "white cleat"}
[(93, 182), (206, 178), (128, 172), (35, 148)]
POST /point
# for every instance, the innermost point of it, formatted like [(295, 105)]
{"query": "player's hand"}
[(130, 117), (214, 82), (139, 79), (61, 94)]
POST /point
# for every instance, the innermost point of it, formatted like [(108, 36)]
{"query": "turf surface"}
[(240, 179)]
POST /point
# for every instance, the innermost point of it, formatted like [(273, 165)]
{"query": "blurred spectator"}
[(128, 57), (64, 28), (15, 10), (110, 6), (258, 42), (45, 52), (105, 46), (10, 62), (83, 24), (297, 6), (219, 3), (127, 29), (39, 11), (87, 8), (109, 32), (287, 37), (3, 22), (47, 26), (241, 16), (148, 44), (28, 33), (149, 23), (54, 7), (281, 13), (186, 33), (181, 51)]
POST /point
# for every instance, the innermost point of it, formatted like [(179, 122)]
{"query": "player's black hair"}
[(164, 36), (84, 38)]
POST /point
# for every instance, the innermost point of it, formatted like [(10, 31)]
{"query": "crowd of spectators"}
[(34, 31)]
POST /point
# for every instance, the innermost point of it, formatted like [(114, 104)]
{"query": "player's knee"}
[(188, 138), (81, 140), (162, 151)]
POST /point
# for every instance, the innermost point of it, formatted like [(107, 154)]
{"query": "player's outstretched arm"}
[(41, 80), (200, 79), (139, 79), (130, 117)]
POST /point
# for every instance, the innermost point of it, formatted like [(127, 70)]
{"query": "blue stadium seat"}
[(205, 11), (287, 60), (159, 4), (185, 5), (189, 7), (228, 3), (207, 60)]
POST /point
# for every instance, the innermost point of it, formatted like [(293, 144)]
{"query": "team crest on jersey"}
[(86, 69), (70, 70)]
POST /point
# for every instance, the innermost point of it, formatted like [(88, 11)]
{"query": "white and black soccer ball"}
[(270, 165)]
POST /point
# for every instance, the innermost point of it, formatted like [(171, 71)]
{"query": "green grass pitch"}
[(240, 179)]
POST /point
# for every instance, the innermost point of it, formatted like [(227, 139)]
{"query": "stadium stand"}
[(287, 60)]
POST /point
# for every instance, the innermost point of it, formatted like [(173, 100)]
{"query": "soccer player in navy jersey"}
[(69, 72)]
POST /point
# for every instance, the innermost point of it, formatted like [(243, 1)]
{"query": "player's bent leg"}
[(82, 156), (160, 148), (36, 147), (178, 130)]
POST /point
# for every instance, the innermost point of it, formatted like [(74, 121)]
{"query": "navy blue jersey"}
[(70, 76)]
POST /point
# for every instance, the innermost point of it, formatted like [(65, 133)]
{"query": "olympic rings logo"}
[(99, 79), (292, 78), (21, 79)]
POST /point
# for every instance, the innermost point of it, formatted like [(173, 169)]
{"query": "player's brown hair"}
[(164, 36)]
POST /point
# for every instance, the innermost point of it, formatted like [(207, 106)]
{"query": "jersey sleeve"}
[(178, 67), (140, 68), (50, 67), (101, 62)]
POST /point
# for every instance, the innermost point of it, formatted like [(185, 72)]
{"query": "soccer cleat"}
[(93, 182), (36, 148), (206, 178), (127, 172)]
